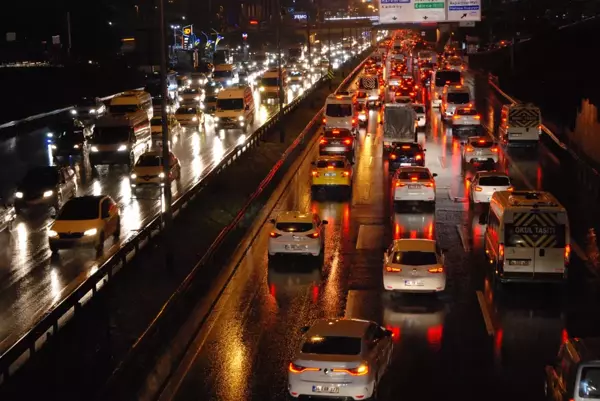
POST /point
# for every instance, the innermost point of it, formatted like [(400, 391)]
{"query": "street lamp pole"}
[(166, 215), (280, 72)]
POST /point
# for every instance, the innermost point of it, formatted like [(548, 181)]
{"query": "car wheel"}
[(117, 233), (100, 245)]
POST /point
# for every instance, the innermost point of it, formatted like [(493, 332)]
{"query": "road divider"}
[(157, 337)]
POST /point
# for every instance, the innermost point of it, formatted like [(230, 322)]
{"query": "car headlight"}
[(19, 195), (261, 89), (229, 82), (49, 134), (73, 112), (75, 146), (133, 176), (216, 118), (161, 175), (180, 98), (189, 81), (94, 149), (122, 148), (52, 233), (241, 118), (197, 98), (90, 232), (53, 146), (48, 194), (92, 111)]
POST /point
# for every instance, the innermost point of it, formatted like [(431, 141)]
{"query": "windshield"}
[(296, 74), (230, 104), (86, 103), (110, 135), (124, 108), (85, 208), (294, 227), (186, 110), (410, 176), (41, 176), (339, 110), (414, 258), (466, 112), (223, 74), (333, 164), (447, 78), (494, 181), (458, 98), (589, 386), (149, 161), (332, 345), (269, 81)]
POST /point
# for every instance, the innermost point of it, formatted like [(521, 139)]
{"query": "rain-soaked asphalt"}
[(30, 281), (443, 347)]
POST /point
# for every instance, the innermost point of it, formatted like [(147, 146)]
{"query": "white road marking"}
[(464, 237), (489, 326)]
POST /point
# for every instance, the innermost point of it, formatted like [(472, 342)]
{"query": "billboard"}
[(424, 11)]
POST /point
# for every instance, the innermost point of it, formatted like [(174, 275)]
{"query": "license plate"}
[(405, 164), (293, 247), (413, 283), (519, 262), (337, 149), (514, 134), (414, 187), (325, 389), (329, 174)]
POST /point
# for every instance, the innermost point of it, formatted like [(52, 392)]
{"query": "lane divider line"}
[(463, 237), (487, 319)]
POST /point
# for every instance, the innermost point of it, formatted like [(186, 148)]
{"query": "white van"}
[(226, 74), (453, 97), (235, 108), (269, 83), (131, 102), (440, 79), (521, 125), (340, 112)]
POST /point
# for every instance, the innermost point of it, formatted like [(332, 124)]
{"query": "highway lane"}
[(30, 280), (469, 341)]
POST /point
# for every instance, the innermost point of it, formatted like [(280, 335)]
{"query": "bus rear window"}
[(535, 235)]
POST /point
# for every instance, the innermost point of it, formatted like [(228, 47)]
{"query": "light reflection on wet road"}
[(443, 348), (30, 282)]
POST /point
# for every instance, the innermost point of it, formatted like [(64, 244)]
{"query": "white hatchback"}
[(297, 233), (480, 149), (414, 265), (340, 358), (413, 184), (485, 183)]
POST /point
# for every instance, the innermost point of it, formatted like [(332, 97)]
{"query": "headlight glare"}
[(90, 232)]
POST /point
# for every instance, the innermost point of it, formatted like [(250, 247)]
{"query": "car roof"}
[(419, 245), (294, 216), (339, 328), (491, 174)]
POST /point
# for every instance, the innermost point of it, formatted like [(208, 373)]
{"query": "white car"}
[(485, 183), (414, 265), (190, 116), (465, 118), (413, 184), (480, 149), (421, 114), (190, 96), (340, 358), (297, 233)]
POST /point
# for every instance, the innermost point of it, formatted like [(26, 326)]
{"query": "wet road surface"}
[(472, 341), (30, 280)]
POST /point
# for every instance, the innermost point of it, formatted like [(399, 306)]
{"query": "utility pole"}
[(68, 33), (280, 72), (308, 49), (166, 215)]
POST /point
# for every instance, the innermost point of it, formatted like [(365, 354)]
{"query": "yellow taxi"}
[(148, 170), (86, 220), (331, 171), (156, 128)]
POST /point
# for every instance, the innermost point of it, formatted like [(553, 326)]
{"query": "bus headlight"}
[(161, 175), (241, 118), (122, 148), (48, 194), (90, 232)]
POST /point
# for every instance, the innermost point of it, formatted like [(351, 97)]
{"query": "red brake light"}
[(469, 148), (323, 141), (393, 156), (482, 141), (392, 269), (436, 270), (348, 141), (429, 184), (567, 253), (495, 149), (478, 189), (510, 189), (299, 369), (418, 157), (274, 234), (414, 178), (335, 131), (405, 147), (330, 167), (346, 173), (358, 371), (477, 117), (324, 121), (313, 235), (400, 184), (354, 121), (315, 173), (455, 117)]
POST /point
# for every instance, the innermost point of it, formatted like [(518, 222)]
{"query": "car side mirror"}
[(304, 329), (324, 222), (483, 219), (434, 175), (272, 221)]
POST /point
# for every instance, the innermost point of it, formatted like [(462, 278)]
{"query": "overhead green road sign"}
[(430, 5)]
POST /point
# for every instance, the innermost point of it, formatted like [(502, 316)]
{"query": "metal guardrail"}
[(173, 304), (50, 324), (40, 116)]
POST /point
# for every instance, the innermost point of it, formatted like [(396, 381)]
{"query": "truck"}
[(399, 125)]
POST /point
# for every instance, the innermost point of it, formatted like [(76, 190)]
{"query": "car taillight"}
[(348, 141), (477, 117), (323, 141), (353, 121), (436, 270), (313, 235), (495, 149), (346, 174), (501, 251), (418, 157), (478, 189), (358, 371), (293, 368), (393, 269), (274, 235), (400, 184), (510, 189), (429, 184), (412, 93), (315, 173), (324, 121), (456, 117), (567, 253), (469, 149), (393, 156)]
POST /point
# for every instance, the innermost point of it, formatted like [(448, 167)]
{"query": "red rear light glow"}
[(429, 184), (324, 121), (482, 141), (414, 178), (477, 117), (273, 234), (323, 141), (393, 157), (400, 184), (348, 141), (567, 253), (299, 369), (315, 173), (438, 269), (469, 148), (478, 189), (358, 371), (346, 174), (405, 147), (495, 149), (313, 235), (393, 269), (418, 157)]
